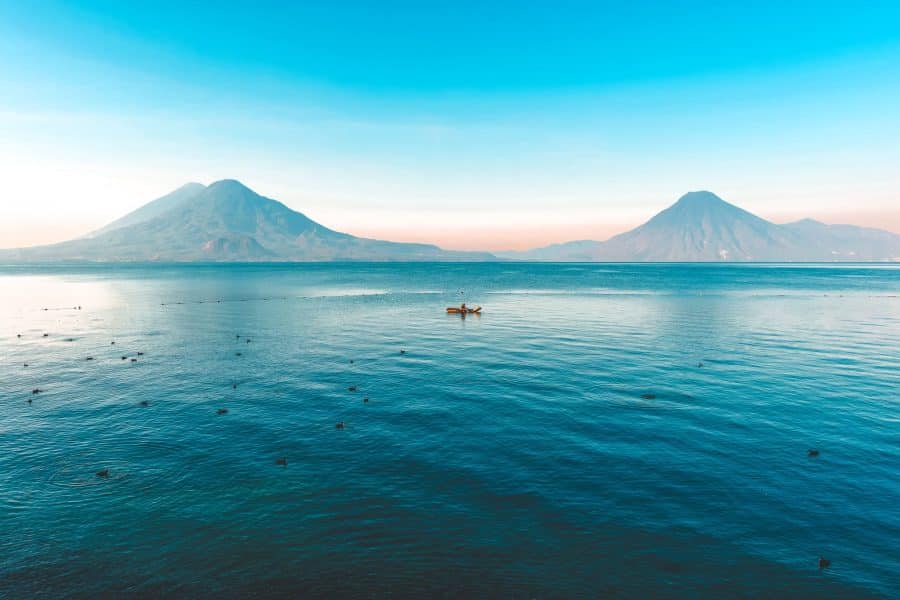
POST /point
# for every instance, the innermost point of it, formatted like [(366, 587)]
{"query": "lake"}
[(600, 430)]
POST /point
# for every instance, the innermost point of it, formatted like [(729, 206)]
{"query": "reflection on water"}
[(601, 430)]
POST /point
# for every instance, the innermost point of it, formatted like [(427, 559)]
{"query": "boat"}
[(456, 309)]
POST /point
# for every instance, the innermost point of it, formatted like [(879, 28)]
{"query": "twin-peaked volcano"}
[(226, 221)]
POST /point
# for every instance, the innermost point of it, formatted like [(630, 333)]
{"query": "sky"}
[(473, 125)]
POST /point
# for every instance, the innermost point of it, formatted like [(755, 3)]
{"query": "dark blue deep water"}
[(566, 443)]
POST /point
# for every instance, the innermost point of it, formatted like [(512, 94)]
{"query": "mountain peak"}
[(699, 198), (694, 207), (184, 194), (806, 223), (229, 185)]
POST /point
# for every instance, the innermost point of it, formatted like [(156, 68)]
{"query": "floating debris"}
[(812, 452), (700, 364), (124, 357), (104, 473), (133, 360), (366, 400), (281, 461), (339, 425), (25, 365), (89, 358), (402, 351), (222, 411), (140, 353), (36, 391), (237, 354), (46, 334), (352, 388), (648, 396), (145, 403), (824, 563)]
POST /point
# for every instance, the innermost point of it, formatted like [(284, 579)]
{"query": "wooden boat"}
[(455, 309)]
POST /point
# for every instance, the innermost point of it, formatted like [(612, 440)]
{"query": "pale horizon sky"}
[(470, 126)]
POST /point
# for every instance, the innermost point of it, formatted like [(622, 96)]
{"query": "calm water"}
[(566, 443)]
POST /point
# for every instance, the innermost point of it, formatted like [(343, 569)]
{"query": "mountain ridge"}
[(228, 222), (702, 227), (153, 208)]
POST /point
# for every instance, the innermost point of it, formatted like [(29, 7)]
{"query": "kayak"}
[(468, 310)]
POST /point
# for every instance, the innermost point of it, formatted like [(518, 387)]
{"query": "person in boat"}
[(463, 307)]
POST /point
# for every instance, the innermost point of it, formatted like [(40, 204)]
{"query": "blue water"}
[(566, 443)]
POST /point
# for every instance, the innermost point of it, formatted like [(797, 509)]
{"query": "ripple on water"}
[(77, 476), (510, 455)]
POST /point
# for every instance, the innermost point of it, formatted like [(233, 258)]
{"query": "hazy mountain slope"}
[(229, 222), (846, 242), (153, 209), (700, 226), (577, 251)]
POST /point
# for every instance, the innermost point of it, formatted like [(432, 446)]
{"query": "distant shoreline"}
[(168, 264)]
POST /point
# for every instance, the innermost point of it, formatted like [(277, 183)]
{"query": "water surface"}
[(566, 443)]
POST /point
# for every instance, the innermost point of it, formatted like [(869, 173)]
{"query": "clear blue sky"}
[(472, 124)]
